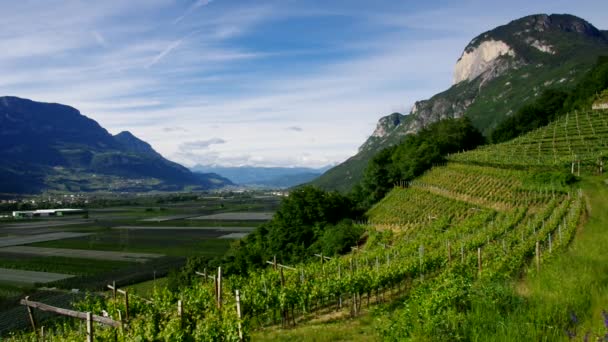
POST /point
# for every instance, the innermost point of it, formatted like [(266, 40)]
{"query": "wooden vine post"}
[(180, 312), (238, 314), (537, 256), (421, 258), (449, 253), (215, 287), (275, 265), (30, 314), (461, 253), (123, 292), (479, 259), (90, 337), (219, 287), (87, 316)]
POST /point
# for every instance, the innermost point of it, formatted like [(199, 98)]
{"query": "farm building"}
[(48, 212)]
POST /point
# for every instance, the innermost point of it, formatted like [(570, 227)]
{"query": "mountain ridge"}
[(51, 146), (556, 49)]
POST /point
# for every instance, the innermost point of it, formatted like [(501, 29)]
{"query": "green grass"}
[(11, 290), (360, 329), (572, 283), (146, 288)]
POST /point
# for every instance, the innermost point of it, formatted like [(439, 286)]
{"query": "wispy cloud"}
[(295, 128), (99, 38), (197, 4), (200, 144), (173, 45), (174, 129)]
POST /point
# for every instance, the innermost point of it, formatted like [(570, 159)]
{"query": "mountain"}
[(498, 72), (133, 144), (271, 177), (48, 146)]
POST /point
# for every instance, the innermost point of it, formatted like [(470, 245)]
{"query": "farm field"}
[(127, 244), (61, 264), (212, 228), (173, 242), (29, 224), (73, 253), (236, 216), (28, 239), (166, 218), (30, 277)]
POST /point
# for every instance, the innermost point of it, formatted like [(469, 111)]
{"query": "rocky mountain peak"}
[(385, 127), (387, 124), (515, 43)]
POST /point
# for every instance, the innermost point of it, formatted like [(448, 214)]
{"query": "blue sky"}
[(268, 83)]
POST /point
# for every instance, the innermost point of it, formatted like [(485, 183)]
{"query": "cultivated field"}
[(166, 218), (25, 224), (82, 254), (30, 277), (126, 243), (28, 239), (237, 216), (234, 236), (217, 229), (174, 242)]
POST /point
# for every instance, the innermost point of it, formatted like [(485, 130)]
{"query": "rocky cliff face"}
[(480, 59), (386, 125), (498, 71)]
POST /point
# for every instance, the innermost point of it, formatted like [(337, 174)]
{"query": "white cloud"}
[(295, 128), (192, 8), (196, 145), (173, 45)]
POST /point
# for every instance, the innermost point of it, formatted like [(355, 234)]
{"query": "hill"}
[(499, 71), (47, 146), (470, 229)]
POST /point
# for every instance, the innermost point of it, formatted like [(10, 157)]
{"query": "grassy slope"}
[(360, 329), (574, 282)]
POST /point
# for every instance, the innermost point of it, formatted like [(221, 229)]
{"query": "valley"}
[(125, 244), (480, 215)]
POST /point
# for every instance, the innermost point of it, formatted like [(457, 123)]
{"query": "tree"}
[(414, 155)]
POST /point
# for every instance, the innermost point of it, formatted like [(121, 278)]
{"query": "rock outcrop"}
[(480, 59)]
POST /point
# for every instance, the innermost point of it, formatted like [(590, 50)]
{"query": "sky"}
[(249, 82)]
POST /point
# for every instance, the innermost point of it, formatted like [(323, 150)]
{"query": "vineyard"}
[(480, 216), (577, 142)]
